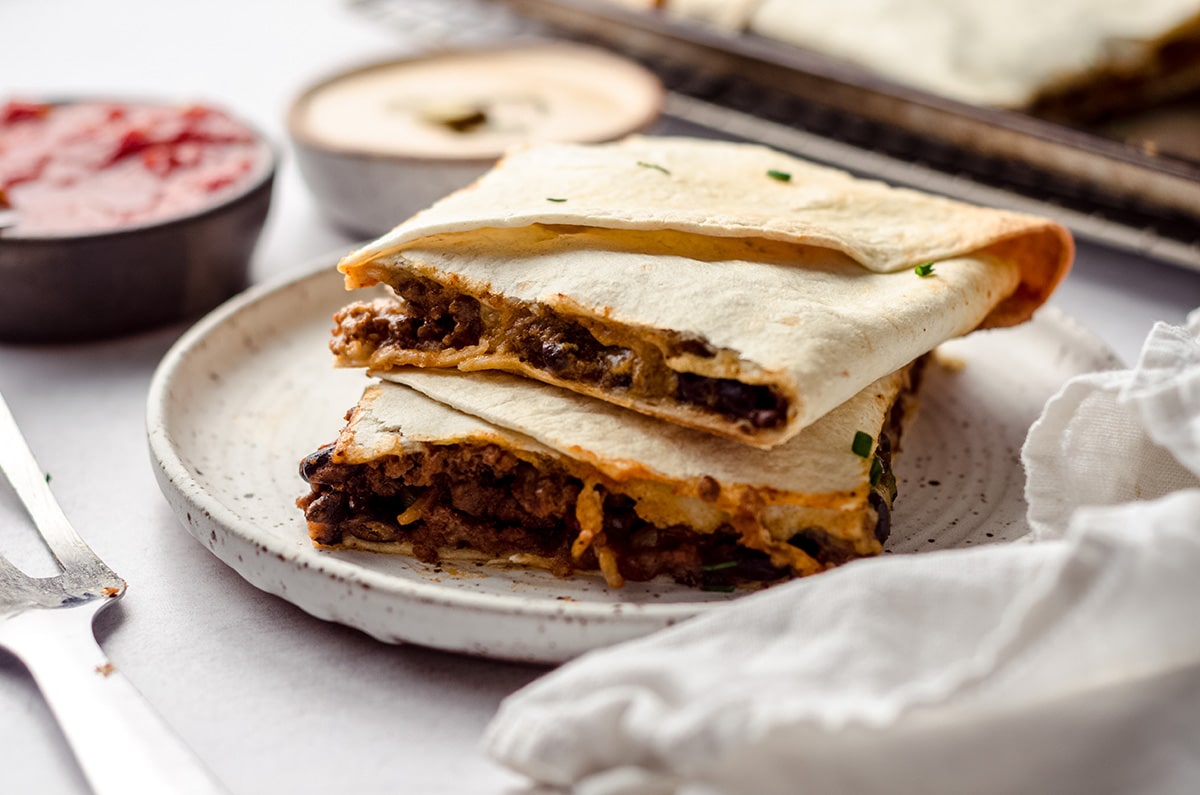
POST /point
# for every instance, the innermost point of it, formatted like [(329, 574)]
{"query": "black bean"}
[(759, 404), (329, 508), (311, 466)]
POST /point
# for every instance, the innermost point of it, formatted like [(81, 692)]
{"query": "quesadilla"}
[(440, 464), (1074, 60), (725, 287)]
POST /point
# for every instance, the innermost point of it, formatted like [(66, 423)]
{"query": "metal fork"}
[(121, 743)]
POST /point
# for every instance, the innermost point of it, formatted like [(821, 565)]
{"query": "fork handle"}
[(122, 745)]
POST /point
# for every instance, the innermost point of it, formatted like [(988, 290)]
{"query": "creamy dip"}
[(477, 104)]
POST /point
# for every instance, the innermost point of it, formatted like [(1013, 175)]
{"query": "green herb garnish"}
[(876, 471), (729, 564), (654, 166), (782, 176), (924, 269), (862, 444), (47, 477), (555, 200)]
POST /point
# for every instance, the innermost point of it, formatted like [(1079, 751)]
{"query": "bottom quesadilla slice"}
[(438, 465)]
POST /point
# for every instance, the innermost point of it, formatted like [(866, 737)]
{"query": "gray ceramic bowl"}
[(365, 194), (368, 183), (73, 287)]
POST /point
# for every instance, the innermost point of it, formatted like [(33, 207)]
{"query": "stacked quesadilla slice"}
[(663, 356), (439, 463)]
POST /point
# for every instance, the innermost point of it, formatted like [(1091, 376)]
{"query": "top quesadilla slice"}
[(725, 287)]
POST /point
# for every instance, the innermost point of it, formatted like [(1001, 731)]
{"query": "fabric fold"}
[(1071, 665)]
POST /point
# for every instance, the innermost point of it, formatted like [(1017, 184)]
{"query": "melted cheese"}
[(414, 512)]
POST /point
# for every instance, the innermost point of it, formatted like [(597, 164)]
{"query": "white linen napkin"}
[(1071, 665)]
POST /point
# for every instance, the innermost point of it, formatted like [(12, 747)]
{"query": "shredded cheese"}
[(415, 511), (589, 512), (608, 564)]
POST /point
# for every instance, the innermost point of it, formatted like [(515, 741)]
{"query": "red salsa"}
[(93, 166)]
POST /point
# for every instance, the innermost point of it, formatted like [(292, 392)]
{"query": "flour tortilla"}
[(806, 286), (720, 189)]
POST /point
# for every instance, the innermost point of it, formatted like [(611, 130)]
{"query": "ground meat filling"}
[(437, 321), (568, 351), (436, 318), (486, 499), (1117, 90)]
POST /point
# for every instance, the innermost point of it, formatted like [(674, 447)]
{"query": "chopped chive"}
[(876, 471), (47, 477), (718, 588), (924, 269), (554, 200), (782, 176), (654, 166), (729, 564), (862, 444)]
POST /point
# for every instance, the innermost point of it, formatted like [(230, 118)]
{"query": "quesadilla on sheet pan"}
[(725, 287), (492, 466), (1070, 59)]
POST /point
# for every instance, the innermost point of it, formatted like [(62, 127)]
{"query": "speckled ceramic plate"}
[(250, 390)]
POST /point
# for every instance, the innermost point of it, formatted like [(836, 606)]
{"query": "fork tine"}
[(18, 464)]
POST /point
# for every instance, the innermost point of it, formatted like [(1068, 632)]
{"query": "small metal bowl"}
[(95, 284), (368, 187)]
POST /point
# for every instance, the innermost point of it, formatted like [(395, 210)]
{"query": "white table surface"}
[(270, 698)]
